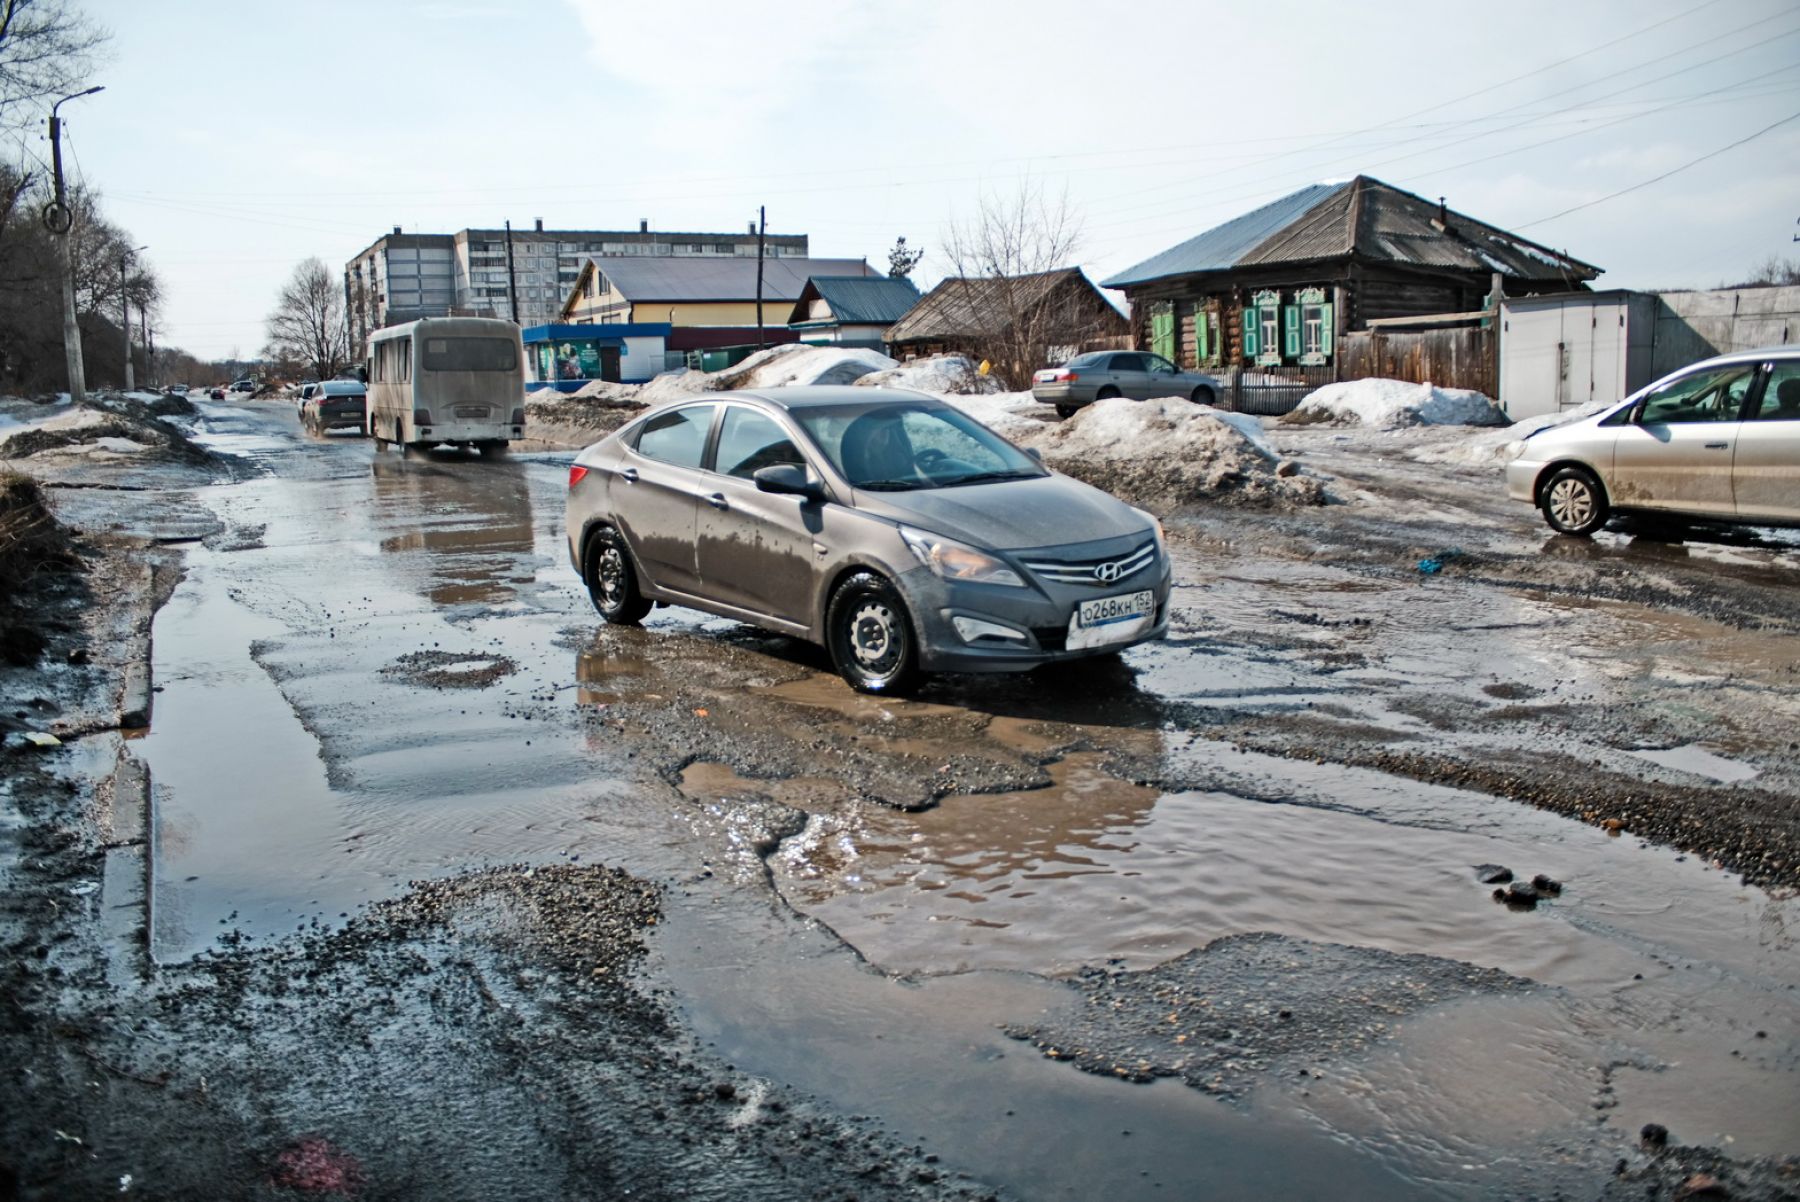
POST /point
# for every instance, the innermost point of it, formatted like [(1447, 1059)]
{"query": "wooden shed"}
[(1019, 323)]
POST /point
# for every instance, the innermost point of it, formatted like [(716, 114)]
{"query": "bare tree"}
[(47, 48), (308, 324), (1013, 287)]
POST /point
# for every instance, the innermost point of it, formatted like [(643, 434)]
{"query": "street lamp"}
[(59, 219), (125, 308)]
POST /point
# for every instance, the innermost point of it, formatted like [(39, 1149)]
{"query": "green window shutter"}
[(1290, 331), (1200, 355), (1325, 338), (1251, 350), (1162, 331)]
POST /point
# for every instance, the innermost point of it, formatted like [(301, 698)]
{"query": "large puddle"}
[(382, 686)]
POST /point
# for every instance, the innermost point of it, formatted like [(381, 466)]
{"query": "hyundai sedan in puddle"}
[(889, 527)]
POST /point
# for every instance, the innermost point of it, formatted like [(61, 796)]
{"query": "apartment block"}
[(402, 277)]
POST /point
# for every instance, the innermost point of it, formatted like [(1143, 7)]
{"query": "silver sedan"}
[(1099, 375), (1718, 441), (892, 528)]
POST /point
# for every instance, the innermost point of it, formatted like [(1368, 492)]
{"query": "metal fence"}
[(1270, 391)]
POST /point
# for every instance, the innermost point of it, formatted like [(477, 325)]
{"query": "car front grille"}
[(1097, 573)]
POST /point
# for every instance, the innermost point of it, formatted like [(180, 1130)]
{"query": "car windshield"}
[(893, 446)]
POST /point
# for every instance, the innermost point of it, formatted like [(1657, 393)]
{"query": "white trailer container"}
[(1561, 351)]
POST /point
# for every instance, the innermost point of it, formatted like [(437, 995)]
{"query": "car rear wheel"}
[(1574, 502), (1106, 394), (1067, 410), (870, 636), (611, 580)]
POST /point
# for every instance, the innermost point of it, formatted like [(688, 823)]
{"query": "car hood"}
[(1011, 515)]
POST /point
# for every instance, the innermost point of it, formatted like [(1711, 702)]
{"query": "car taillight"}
[(576, 472), (1069, 375)]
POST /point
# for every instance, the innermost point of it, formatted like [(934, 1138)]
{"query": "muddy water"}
[(303, 768), (299, 771)]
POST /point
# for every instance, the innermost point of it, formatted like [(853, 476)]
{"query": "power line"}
[(1665, 175)]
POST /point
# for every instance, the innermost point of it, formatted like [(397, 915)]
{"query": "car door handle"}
[(629, 475), (1717, 446), (716, 500)]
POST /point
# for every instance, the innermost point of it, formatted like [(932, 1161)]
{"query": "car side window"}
[(1781, 396), (1159, 366), (750, 441), (1707, 396), (1126, 362), (678, 436)]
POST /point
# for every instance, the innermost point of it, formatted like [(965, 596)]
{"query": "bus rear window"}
[(470, 354)]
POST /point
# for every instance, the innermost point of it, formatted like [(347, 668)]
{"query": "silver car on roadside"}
[(888, 526), (1099, 375), (1718, 441)]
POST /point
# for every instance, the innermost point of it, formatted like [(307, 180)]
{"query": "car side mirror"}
[(789, 479)]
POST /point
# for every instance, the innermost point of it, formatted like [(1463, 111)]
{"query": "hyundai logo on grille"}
[(1106, 573)]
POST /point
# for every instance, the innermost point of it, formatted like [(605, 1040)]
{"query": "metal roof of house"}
[(1364, 218), (641, 278), (859, 299), (959, 307)]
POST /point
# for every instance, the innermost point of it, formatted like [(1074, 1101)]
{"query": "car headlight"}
[(958, 561)]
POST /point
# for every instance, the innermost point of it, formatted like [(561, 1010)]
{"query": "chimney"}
[(396, 229), (1443, 214), (643, 225), (753, 227), (540, 225)]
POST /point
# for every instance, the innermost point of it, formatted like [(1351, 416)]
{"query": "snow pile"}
[(1492, 447), (942, 374), (1015, 415), (777, 367), (1391, 404), (1170, 453)]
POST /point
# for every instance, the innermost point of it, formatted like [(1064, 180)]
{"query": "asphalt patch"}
[(1246, 1009)]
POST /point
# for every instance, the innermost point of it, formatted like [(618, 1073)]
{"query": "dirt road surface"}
[(418, 882)]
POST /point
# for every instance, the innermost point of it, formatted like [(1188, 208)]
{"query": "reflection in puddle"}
[(1699, 761), (474, 521)]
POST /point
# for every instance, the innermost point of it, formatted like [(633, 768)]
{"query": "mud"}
[(436, 887)]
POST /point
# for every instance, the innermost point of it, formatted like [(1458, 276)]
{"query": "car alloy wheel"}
[(1573, 502)]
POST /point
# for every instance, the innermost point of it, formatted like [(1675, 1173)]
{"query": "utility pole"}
[(59, 219), (125, 309), (512, 281), (762, 229)]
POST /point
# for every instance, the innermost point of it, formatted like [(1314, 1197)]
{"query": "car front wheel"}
[(870, 636), (1203, 396), (1573, 502), (611, 580)]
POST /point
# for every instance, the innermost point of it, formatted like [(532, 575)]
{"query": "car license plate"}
[(1107, 620), (471, 411)]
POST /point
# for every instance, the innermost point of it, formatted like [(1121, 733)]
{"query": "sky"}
[(237, 138)]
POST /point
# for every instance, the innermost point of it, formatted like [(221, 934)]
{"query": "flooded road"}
[(1208, 921)]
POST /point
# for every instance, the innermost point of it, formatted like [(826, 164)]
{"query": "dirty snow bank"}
[(777, 367), (1169, 454), (1391, 404), (1492, 448), (943, 374)]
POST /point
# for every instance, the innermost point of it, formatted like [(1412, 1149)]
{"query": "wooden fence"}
[(1449, 358)]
